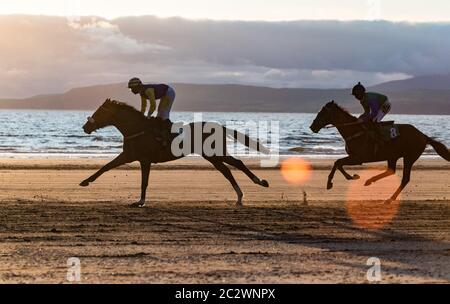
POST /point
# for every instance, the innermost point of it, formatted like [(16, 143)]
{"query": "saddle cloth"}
[(388, 131)]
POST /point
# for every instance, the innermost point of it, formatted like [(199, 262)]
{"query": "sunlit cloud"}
[(105, 38)]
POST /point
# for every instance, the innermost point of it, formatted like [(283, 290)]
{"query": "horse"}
[(139, 144), (409, 145)]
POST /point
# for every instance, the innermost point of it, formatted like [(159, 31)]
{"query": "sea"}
[(54, 133)]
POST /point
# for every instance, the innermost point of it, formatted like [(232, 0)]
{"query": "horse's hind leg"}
[(392, 164), (407, 166), (145, 172), (227, 173), (237, 163)]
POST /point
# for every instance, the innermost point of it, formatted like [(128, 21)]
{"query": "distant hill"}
[(431, 82), (421, 95)]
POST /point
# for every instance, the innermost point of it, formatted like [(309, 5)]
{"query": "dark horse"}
[(409, 145), (140, 145)]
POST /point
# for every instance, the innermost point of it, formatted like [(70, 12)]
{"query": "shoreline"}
[(195, 163)]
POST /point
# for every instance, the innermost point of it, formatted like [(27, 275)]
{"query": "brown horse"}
[(409, 145), (141, 145)]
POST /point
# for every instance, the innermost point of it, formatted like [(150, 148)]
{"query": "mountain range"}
[(417, 95)]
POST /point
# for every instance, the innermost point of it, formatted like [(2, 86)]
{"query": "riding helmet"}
[(134, 82), (359, 88)]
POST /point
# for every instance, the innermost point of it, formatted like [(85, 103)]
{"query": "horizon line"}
[(192, 83), (112, 18)]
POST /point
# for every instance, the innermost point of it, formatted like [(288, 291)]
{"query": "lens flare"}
[(296, 170), (366, 205)]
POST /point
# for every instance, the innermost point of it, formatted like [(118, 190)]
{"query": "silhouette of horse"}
[(409, 145), (140, 145)]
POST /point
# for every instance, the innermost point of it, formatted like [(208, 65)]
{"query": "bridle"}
[(113, 114), (92, 120)]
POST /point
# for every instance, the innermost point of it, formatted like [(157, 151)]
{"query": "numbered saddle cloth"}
[(388, 131)]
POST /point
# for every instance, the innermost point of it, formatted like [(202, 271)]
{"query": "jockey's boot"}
[(162, 131), (373, 130)]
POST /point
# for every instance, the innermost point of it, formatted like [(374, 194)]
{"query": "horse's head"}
[(324, 117), (101, 118)]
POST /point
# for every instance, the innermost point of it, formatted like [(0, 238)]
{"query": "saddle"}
[(160, 129), (160, 133), (383, 131), (377, 135)]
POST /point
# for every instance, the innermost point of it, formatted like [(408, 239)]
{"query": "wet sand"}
[(190, 231)]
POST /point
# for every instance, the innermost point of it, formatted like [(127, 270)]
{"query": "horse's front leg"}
[(346, 175), (145, 172), (339, 165), (116, 162), (331, 176)]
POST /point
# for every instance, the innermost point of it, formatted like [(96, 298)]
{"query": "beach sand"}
[(191, 232)]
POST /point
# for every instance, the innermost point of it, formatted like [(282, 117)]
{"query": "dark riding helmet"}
[(134, 82), (358, 89)]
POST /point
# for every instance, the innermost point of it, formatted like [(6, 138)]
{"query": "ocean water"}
[(37, 133)]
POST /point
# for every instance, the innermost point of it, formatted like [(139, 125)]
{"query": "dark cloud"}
[(51, 54), (316, 45)]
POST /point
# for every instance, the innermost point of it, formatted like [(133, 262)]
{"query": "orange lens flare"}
[(296, 171), (366, 205)]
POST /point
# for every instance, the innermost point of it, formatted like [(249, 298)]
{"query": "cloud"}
[(40, 54), (105, 38), (285, 78), (380, 46)]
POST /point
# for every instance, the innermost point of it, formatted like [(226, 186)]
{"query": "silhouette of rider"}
[(151, 93), (375, 105)]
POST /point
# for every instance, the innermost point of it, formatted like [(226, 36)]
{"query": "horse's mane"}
[(124, 106), (344, 110)]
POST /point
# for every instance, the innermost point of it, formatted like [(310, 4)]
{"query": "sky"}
[(268, 10), (49, 48)]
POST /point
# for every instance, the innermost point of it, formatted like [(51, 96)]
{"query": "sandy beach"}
[(190, 231)]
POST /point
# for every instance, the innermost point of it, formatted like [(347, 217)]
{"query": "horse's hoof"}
[(84, 183), (389, 201), (356, 177), (239, 201), (368, 183), (264, 183), (329, 186), (138, 205)]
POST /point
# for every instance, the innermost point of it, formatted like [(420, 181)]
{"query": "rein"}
[(126, 138), (352, 137), (134, 136), (345, 125)]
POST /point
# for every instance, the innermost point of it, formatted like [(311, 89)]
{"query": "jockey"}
[(375, 105), (153, 92)]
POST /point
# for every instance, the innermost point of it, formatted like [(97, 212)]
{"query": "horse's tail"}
[(247, 141), (440, 148)]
